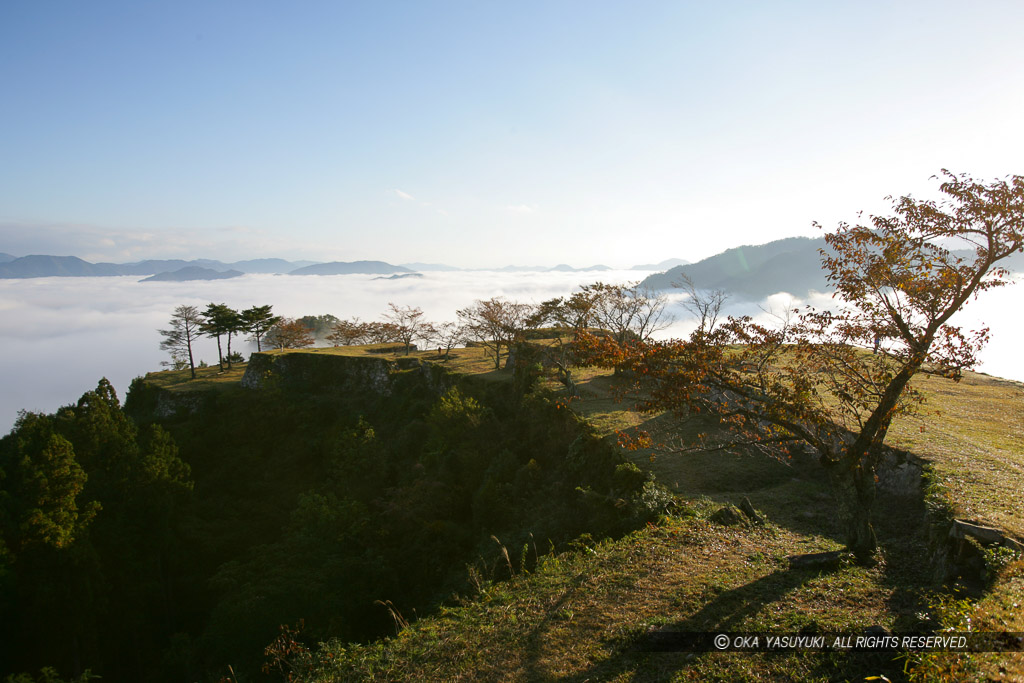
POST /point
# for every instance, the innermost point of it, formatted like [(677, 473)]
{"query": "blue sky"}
[(483, 134)]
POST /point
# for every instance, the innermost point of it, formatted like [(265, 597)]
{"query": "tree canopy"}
[(812, 380), (289, 333), (186, 327), (495, 323), (257, 320)]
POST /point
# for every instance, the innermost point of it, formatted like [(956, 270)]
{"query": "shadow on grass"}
[(729, 612), (726, 612), (904, 578), (532, 670)]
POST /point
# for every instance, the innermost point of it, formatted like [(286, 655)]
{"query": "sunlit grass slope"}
[(579, 615)]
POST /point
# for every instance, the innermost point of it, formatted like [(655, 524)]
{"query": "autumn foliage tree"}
[(813, 381), (347, 333), (408, 323), (626, 310), (495, 324), (570, 316), (447, 335), (289, 333)]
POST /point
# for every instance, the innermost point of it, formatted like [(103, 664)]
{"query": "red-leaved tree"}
[(835, 380)]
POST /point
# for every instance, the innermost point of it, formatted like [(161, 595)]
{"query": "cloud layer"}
[(61, 335)]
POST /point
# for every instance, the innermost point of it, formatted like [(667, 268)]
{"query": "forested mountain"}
[(663, 265), (350, 267), (61, 266), (189, 273), (72, 266), (753, 272)]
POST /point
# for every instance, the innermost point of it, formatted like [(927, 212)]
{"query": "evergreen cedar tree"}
[(813, 381), (186, 324), (219, 320), (257, 321), (87, 503)]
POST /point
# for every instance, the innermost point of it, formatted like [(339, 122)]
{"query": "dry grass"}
[(971, 431), (973, 434), (470, 361), (580, 616), (207, 379)]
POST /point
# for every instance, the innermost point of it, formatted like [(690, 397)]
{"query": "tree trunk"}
[(854, 485), (191, 361), (854, 474)]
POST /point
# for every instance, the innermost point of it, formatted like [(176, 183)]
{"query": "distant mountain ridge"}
[(190, 273), (350, 268), (430, 267), (753, 272), (72, 266), (664, 265), (38, 265)]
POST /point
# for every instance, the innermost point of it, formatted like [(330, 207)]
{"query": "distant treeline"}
[(629, 309)]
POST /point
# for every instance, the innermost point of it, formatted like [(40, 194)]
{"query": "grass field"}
[(973, 434)]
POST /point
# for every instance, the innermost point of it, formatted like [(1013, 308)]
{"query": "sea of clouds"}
[(61, 335)]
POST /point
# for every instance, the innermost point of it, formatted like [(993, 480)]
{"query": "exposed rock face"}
[(820, 561), (900, 474), (312, 371), (171, 403), (748, 509), (985, 535), (730, 515)]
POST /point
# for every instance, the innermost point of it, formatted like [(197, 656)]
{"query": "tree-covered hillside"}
[(149, 543)]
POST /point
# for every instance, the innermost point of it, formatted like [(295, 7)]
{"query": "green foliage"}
[(89, 512), (946, 613), (629, 477), (219, 320), (41, 485), (212, 529), (184, 329), (997, 558), (257, 321), (49, 675), (319, 325), (453, 407), (653, 501)]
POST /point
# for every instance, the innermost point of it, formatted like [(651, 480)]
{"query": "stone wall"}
[(333, 373)]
